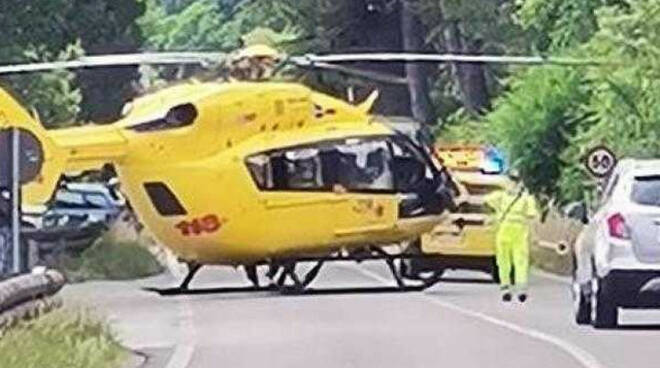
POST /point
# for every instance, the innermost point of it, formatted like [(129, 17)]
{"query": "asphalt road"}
[(454, 324)]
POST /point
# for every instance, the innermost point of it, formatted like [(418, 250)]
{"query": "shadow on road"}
[(465, 280), (639, 327), (287, 292)]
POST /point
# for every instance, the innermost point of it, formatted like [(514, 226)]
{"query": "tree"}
[(105, 27), (339, 26), (557, 24), (38, 30), (535, 121), (52, 96), (625, 102), (551, 117), (470, 27)]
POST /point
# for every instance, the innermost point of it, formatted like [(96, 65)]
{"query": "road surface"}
[(454, 324)]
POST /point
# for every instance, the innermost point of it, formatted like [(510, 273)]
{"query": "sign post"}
[(15, 199)]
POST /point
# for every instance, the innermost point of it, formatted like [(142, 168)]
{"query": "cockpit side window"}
[(364, 165), (297, 169)]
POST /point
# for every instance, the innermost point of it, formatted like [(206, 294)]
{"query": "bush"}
[(463, 128), (62, 339), (108, 259)]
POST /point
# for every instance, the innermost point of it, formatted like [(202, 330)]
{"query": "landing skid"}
[(274, 290), (201, 291), (286, 280)]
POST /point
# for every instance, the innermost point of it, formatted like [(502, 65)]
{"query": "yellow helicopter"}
[(251, 172)]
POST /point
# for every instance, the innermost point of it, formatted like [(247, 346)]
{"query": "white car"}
[(617, 253)]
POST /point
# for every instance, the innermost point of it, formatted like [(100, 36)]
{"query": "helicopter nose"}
[(446, 198)]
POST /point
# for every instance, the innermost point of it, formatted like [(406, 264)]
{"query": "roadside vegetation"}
[(63, 339), (544, 117), (110, 259), (549, 116)]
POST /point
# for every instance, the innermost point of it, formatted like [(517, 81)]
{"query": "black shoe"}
[(506, 297), (522, 297)]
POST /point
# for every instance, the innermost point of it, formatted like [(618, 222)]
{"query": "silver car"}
[(618, 251)]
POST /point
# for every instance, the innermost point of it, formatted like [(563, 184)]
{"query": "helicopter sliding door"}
[(329, 192)]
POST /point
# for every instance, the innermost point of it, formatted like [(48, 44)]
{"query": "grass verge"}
[(109, 259), (67, 339)]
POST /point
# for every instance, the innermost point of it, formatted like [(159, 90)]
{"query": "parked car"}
[(618, 251), (77, 203)]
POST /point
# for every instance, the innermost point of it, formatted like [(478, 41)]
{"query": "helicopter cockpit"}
[(373, 165)]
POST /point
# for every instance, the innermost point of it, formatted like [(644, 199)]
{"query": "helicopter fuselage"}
[(240, 173)]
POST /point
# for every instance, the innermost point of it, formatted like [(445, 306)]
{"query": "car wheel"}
[(604, 312), (581, 305)]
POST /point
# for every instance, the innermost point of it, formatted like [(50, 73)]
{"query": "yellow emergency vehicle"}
[(466, 237)]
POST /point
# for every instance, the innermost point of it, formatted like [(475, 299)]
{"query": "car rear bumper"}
[(635, 288)]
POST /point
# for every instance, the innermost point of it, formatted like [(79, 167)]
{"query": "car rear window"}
[(646, 190)]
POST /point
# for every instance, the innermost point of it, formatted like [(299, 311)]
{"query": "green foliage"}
[(462, 128), (198, 26), (45, 29), (558, 24), (61, 340), (53, 94), (213, 25), (108, 259), (535, 120), (552, 117), (485, 26), (625, 102)]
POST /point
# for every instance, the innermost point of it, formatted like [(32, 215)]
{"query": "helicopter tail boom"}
[(90, 147), (47, 154)]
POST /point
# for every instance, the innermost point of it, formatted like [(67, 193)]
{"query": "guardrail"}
[(28, 296)]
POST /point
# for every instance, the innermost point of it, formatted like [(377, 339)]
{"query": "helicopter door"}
[(339, 191), (360, 170), (423, 190)]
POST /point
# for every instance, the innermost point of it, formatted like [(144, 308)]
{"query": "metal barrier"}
[(28, 296)]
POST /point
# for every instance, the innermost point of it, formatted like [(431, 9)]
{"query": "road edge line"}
[(583, 357)]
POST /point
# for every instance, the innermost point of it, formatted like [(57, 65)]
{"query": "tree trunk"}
[(471, 76), (412, 32), (376, 29)]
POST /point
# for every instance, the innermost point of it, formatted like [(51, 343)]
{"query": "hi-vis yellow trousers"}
[(512, 250)]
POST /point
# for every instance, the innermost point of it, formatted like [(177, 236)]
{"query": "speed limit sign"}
[(600, 161)]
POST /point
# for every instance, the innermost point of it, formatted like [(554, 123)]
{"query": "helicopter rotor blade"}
[(360, 73), (97, 61), (312, 60)]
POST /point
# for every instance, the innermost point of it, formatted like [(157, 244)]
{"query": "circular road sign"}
[(600, 161), (31, 157)]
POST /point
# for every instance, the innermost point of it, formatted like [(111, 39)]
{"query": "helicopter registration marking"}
[(207, 224)]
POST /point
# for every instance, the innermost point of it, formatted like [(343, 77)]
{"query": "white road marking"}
[(185, 348), (582, 356)]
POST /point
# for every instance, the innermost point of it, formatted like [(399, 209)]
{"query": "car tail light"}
[(617, 226)]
